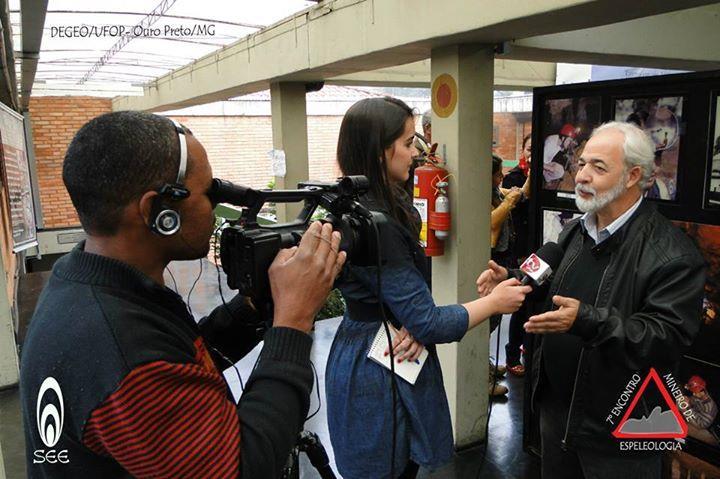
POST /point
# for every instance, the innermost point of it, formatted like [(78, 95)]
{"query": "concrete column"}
[(9, 373), (465, 138), (2, 466), (289, 131)]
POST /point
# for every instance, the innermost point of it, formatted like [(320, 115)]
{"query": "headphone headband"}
[(166, 220), (183, 152)]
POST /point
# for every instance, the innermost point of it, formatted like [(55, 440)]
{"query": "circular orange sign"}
[(444, 95)]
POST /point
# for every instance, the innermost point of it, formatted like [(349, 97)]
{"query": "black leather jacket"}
[(647, 311)]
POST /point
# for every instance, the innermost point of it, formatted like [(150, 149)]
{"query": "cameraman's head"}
[(121, 171), (377, 140)]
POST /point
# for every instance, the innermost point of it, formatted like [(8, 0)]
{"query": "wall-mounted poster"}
[(700, 366), (17, 178), (567, 125), (661, 118), (713, 183), (554, 221)]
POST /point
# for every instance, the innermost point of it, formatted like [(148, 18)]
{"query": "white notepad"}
[(408, 370)]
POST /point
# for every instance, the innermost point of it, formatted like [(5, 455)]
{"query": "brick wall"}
[(510, 133), (54, 123), (322, 147), (237, 146)]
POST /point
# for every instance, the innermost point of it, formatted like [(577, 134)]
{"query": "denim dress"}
[(359, 397)]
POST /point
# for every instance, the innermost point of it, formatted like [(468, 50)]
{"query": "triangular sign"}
[(659, 425)]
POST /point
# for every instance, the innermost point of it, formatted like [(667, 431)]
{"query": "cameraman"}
[(139, 394)]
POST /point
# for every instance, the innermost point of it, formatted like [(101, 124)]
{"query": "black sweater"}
[(141, 395), (561, 352)]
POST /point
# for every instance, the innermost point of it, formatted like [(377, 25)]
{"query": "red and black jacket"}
[(141, 395)]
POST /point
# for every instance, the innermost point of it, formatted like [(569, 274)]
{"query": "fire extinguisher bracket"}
[(439, 221)]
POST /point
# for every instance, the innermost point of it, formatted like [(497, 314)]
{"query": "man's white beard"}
[(598, 202)]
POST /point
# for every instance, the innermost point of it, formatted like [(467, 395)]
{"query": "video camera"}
[(247, 248)]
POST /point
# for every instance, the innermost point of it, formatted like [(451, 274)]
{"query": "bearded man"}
[(626, 297)]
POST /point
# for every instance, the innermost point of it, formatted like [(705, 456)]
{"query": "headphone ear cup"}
[(164, 220)]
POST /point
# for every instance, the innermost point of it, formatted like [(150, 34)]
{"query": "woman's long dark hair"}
[(368, 128)]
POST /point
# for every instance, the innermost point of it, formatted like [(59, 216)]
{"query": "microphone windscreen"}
[(552, 254)]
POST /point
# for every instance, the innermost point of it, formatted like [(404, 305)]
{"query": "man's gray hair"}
[(427, 118), (638, 148)]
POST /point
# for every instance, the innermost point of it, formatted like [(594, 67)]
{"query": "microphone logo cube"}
[(531, 264), (536, 268)]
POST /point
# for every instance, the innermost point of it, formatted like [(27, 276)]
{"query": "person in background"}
[(525, 154), (427, 126), (519, 177), (502, 237)]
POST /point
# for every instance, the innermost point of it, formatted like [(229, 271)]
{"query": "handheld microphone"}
[(538, 267)]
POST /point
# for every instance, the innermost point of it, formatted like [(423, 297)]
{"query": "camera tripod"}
[(309, 443)]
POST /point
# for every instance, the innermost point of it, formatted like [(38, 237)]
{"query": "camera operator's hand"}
[(301, 278)]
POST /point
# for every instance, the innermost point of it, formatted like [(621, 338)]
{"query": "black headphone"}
[(164, 220)]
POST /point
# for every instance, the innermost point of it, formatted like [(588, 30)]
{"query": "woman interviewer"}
[(376, 140)]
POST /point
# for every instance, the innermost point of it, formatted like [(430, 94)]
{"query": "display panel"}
[(567, 124), (662, 120), (16, 175), (700, 366), (554, 221), (713, 178)]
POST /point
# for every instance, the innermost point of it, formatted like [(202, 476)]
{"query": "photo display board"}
[(679, 113), (16, 176), (712, 188), (567, 124)]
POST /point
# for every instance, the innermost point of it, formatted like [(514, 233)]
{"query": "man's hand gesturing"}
[(491, 277), (301, 277), (556, 321)]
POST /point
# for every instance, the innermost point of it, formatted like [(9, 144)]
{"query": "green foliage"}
[(319, 214), (269, 210), (333, 307)]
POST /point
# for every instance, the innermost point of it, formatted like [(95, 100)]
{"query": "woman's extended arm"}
[(506, 297)]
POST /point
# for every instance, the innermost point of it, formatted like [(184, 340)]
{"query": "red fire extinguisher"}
[(431, 200)]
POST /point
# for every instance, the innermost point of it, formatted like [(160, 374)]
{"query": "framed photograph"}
[(554, 221), (712, 189), (566, 126), (16, 175), (662, 120), (700, 366)]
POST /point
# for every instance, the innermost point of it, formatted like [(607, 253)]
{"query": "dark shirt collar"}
[(589, 223), (103, 271), (628, 229)]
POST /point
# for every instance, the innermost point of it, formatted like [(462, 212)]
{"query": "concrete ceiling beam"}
[(682, 40), (342, 37)]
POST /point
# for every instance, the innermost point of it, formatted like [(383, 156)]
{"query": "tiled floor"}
[(504, 458)]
